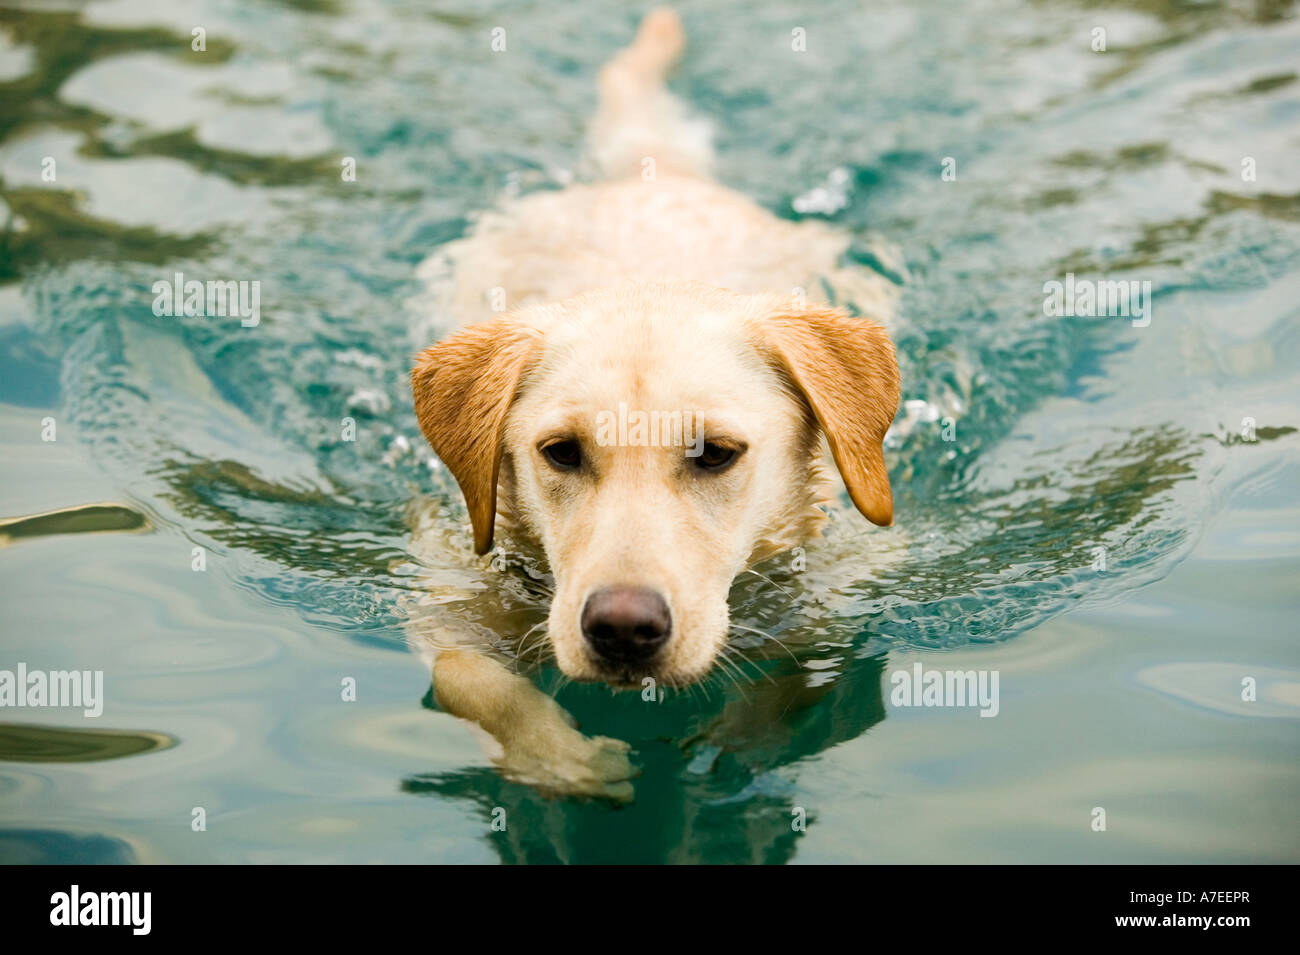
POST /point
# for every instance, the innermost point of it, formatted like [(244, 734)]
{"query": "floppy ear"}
[(463, 388), (845, 367)]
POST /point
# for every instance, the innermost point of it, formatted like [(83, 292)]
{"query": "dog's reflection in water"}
[(718, 771)]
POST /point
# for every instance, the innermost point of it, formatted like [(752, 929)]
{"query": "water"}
[(1104, 514)]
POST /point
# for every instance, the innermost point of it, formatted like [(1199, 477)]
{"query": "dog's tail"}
[(640, 128)]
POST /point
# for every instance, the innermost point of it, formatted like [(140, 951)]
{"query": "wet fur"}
[(666, 294)]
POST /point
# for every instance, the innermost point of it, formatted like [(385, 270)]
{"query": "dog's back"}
[(652, 214)]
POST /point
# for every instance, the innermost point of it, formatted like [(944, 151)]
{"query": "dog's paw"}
[(566, 763)]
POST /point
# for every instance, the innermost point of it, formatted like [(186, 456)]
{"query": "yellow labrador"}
[(649, 414)]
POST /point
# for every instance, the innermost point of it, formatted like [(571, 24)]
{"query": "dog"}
[(650, 417)]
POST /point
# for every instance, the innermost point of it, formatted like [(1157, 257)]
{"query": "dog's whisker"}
[(523, 647), (770, 581), (721, 678), (767, 636), (745, 659), (736, 671), (692, 689), (781, 644), (541, 637), (536, 647), (726, 657), (732, 678), (723, 671), (541, 648)]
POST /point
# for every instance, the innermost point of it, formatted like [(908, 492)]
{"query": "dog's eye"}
[(715, 457), (565, 455)]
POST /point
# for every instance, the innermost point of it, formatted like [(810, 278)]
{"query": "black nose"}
[(626, 624)]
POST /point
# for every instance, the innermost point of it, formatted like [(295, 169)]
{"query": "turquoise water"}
[(1104, 514)]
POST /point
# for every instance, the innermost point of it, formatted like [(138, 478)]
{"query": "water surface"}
[(1104, 514)]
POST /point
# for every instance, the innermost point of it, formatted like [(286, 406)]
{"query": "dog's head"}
[(656, 440)]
